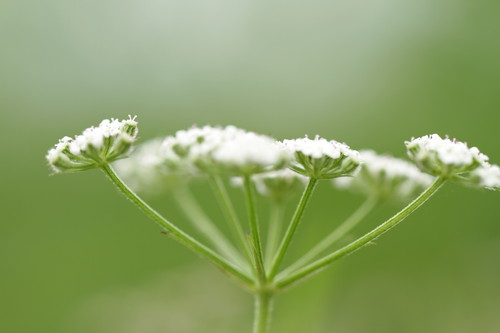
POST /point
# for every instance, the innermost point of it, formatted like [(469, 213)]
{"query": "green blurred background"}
[(76, 257)]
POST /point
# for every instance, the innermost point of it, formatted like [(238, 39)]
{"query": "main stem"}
[(263, 309), (306, 195), (320, 264), (176, 233), (337, 234)]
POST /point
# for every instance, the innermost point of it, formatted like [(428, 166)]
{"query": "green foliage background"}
[(76, 257)]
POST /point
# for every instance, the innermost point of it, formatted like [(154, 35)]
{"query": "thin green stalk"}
[(263, 309), (274, 231), (337, 234), (306, 195), (322, 263), (176, 233), (204, 224), (254, 229), (230, 213)]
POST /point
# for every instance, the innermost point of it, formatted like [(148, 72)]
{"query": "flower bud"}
[(321, 159), (96, 146)]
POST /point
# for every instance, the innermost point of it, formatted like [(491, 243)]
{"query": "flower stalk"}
[(230, 213), (255, 231), (176, 233), (322, 263), (292, 228), (274, 231), (205, 225), (336, 235)]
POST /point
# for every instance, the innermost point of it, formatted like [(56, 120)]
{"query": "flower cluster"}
[(454, 160), (487, 176), (321, 159), (444, 157), (278, 170), (228, 150), (96, 146), (385, 177), (150, 169), (236, 152)]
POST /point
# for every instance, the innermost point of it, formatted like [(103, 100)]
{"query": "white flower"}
[(96, 146), (444, 157), (151, 169), (320, 158), (487, 176), (278, 185), (227, 150), (199, 141), (385, 177), (249, 153)]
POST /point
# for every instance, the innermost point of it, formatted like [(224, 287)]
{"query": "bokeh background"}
[(76, 257)]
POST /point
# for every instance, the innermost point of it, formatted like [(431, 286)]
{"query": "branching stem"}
[(230, 213), (336, 235), (176, 233), (254, 229), (294, 223), (322, 263), (205, 225)]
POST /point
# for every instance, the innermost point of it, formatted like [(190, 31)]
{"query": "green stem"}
[(306, 195), (204, 224), (263, 309), (230, 213), (254, 229), (337, 234), (176, 233), (320, 264), (274, 231)]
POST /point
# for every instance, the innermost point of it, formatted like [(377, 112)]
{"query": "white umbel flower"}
[(385, 177), (227, 150), (96, 146), (197, 142), (444, 157), (320, 158), (149, 169), (249, 153), (486, 176), (277, 185)]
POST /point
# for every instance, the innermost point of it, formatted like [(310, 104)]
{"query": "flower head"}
[(486, 176), (320, 158), (444, 157), (277, 185), (227, 150), (151, 169), (385, 177), (96, 146)]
